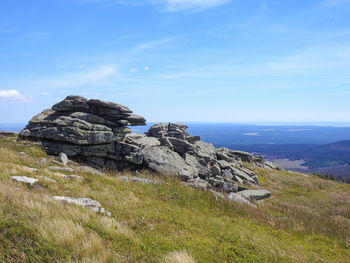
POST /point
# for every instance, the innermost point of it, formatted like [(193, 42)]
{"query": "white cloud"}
[(13, 96), (133, 70), (146, 68), (45, 93), (8, 93), (176, 5)]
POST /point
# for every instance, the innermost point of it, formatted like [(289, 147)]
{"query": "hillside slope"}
[(307, 219)]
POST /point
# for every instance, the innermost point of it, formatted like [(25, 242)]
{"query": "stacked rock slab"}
[(95, 132), (91, 131)]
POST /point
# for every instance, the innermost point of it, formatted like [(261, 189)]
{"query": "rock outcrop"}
[(95, 132)]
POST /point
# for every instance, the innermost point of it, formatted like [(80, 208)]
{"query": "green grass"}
[(307, 219)]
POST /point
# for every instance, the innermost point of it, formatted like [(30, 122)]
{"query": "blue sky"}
[(179, 60)]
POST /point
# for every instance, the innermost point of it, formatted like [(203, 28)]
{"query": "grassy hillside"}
[(307, 219)]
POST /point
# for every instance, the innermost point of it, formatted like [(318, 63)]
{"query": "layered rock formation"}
[(92, 131), (95, 132)]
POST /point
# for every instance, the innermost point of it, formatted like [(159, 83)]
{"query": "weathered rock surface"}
[(25, 179), (165, 161), (198, 183), (255, 194), (239, 199), (94, 132)]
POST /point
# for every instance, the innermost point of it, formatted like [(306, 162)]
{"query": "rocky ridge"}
[(95, 132)]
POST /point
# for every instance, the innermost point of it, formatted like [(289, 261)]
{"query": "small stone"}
[(25, 179), (63, 158), (255, 194), (22, 153), (87, 202), (78, 201), (108, 213)]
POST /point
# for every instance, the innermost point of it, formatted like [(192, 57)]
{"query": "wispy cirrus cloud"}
[(88, 77), (155, 43), (322, 66)]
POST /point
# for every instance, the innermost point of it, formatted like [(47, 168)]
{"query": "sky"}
[(179, 60)]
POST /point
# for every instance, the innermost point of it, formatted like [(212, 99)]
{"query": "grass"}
[(307, 219)]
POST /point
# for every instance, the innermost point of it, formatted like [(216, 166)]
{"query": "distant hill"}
[(341, 173), (343, 146), (333, 158)]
